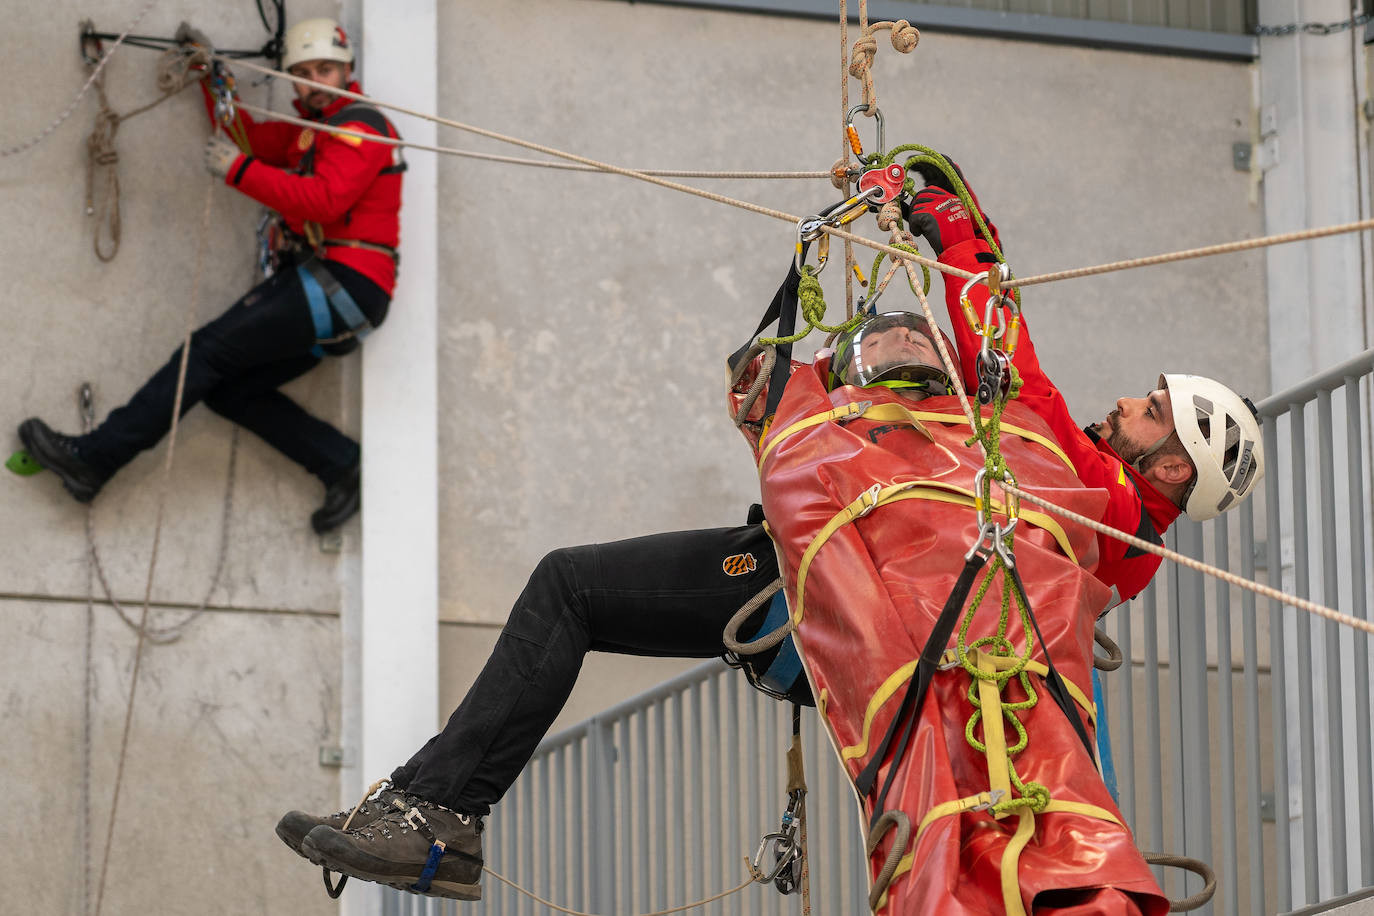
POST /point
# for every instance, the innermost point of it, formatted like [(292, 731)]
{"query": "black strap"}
[(926, 666), (362, 114), (333, 890), (783, 310), (1053, 682)]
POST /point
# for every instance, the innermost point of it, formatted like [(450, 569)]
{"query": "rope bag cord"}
[(893, 818), (1197, 867), (770, 357), (761, 643), (1114, 658)]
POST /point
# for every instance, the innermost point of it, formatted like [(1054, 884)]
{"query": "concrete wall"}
[(583, 324)]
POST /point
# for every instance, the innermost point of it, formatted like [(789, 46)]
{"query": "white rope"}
[(90, 81)]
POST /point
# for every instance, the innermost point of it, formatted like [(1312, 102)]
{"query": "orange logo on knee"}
[(739, 564)]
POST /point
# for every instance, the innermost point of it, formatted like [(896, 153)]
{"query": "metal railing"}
[(1242, 734)]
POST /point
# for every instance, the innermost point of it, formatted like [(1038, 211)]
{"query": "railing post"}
[(601, 759), (1190, 668)]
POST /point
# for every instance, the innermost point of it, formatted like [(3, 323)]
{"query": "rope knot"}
[(890, 216), (861, 59), (905, 36)]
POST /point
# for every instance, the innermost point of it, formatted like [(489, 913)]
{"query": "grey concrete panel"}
[(114, 324), (585, 317), (227, 726)]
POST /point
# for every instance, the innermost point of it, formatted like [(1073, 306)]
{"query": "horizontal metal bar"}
[(1306, 390), (1123, 36), (636, 703)]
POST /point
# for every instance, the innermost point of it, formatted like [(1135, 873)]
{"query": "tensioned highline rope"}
[(913, 259), (513, 160), (1311, 607), (1187, 254)]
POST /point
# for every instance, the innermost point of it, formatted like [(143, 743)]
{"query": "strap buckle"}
[(415, 819)]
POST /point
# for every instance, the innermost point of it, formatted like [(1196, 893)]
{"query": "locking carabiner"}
[(853, 134), (812, 227)]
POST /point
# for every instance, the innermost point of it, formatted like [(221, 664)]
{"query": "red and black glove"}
[(937, 213)]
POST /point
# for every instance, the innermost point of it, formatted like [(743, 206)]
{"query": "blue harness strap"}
[(1104, 740), (786, 668), (321, 291), (436, 852)]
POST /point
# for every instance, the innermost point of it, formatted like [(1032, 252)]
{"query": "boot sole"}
[(37, 449), (453, 890)]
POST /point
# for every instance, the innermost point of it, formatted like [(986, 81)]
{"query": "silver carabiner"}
[(853, 134), (785, 849)]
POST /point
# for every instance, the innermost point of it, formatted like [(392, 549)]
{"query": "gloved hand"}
[(937, 213), (220, 153), (188, 35)]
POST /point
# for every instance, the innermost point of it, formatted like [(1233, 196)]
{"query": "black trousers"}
[(661, 595), (236, 364)]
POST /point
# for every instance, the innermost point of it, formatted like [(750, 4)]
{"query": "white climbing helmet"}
[(1220, 430), (315, 39)]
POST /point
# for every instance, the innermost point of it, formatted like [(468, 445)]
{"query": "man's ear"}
[(1170, 471)]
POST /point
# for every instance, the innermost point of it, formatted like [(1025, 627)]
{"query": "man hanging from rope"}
[(338, 198), (672, 594)]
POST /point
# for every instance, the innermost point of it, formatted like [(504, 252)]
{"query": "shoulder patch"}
[(363, 114)]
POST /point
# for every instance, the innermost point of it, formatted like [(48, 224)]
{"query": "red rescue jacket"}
[(1134, 505), (352, 187)]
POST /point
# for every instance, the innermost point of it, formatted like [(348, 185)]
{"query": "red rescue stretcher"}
[(870, 501)]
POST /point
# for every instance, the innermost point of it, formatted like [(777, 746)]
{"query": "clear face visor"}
[(895, 347)]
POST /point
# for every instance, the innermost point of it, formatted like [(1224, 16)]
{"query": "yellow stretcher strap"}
[(1011, 857), (884, 693), (936, 491), (899, 413), (1001, 662), (852, 409), (984, 801), (888, 413), (994, 727)]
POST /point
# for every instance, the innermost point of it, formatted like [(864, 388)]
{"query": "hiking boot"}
[(294, 825), (396, 850), (61, 455), (342, 498)]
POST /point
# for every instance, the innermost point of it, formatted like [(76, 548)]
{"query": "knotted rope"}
[(173, 75), (905, 37)]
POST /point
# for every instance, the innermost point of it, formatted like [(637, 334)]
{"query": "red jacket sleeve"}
[(345, 167), (1133, 505), (269, 141)]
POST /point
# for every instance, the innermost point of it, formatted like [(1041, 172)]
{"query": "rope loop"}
[(905, 37)]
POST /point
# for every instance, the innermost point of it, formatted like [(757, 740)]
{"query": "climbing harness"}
[(327, 297)]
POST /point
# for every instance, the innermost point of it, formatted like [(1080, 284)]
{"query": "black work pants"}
[(236, 364), (661, 595)]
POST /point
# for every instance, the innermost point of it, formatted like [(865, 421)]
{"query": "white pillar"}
[(391, 657)]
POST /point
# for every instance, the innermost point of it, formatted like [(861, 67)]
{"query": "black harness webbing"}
[(783, 310), (910, 709), (926, 666)]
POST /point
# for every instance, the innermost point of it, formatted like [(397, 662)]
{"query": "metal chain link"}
[(1314, 28)]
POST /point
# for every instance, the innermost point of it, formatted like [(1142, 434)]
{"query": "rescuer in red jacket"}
[(672, 594), (338, 199), (1190, 444)]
